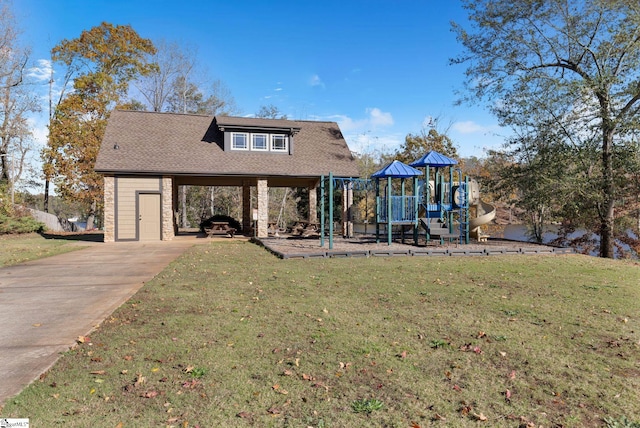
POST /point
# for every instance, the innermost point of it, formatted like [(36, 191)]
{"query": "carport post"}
[(322, 211), (331, 211)]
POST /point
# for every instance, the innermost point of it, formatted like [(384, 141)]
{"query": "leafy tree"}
[(103, 61), (416, 145), (573, 63)]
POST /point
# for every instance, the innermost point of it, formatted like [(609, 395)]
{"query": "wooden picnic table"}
[(219, 228)]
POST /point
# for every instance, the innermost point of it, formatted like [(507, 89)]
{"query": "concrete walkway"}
[(46, 304)]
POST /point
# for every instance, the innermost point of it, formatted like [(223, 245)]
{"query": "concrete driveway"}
[(46, 304)]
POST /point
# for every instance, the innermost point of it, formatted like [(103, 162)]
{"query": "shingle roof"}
[(167, 143)]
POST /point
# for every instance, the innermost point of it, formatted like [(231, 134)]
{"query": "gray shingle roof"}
[(183, 144)]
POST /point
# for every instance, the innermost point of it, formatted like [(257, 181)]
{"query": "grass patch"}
[(230, 336), (20, 248)]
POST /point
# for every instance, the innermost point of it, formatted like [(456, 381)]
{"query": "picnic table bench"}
[(219, 228)]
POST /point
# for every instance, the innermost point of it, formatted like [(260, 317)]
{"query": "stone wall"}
[(167, 209), (263, 209)]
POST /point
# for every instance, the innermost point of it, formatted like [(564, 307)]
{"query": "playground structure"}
[(438, 201)]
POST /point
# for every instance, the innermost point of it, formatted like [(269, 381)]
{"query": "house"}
[(146, 156)]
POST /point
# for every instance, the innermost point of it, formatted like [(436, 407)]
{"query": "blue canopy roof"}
[(396, 169), (434, 159)]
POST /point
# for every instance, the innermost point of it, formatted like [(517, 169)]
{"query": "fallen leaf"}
[(139, 379), (279, 390), (150, 394), (37, 324), (244, 415), (274, 410), (98, 372), (512, 375), (477, 350), (82, 339), (507, 395), (480, 417)]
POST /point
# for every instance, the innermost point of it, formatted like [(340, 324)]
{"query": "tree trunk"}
[(607, 211), (46, 195), (91, 216)]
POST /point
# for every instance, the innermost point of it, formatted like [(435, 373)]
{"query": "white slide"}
[(486, 213)]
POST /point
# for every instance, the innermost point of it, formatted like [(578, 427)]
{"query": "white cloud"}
[(367, 143), (277, 89), (369, 133), (470, 127), (39, 131), (41, 71), (348, 124), (316, 81), (379, 118)]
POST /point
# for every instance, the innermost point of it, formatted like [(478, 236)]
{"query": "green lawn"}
[(230, 336), (24, 247)]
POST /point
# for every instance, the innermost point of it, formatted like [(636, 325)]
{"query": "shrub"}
[(18, 220)]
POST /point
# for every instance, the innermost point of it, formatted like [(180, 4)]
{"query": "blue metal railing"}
[(403, 209)]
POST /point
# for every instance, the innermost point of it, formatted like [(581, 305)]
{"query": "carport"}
[(146, 156)]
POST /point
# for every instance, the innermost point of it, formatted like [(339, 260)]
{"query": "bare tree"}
[(171, 62), (16, 102)]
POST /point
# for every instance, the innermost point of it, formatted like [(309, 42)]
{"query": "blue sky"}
[(378, 68)]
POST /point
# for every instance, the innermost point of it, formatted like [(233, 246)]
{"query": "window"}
[(259, 142), (279, 143), (239, 141)]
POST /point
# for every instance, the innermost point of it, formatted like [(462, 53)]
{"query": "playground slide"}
[(489, 214)]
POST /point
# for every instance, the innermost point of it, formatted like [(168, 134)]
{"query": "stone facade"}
[(263, 209), (109, 209), (167, 209)]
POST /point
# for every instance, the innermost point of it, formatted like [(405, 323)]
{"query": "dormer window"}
[(279, 143), (240, 141), (258, 135), (260, 142)]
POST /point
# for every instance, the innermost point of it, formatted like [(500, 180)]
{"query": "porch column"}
[(313, 203), (247, 214), (174, 201), (168, 222), (347, 205), (109, 209), (263, 209)]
